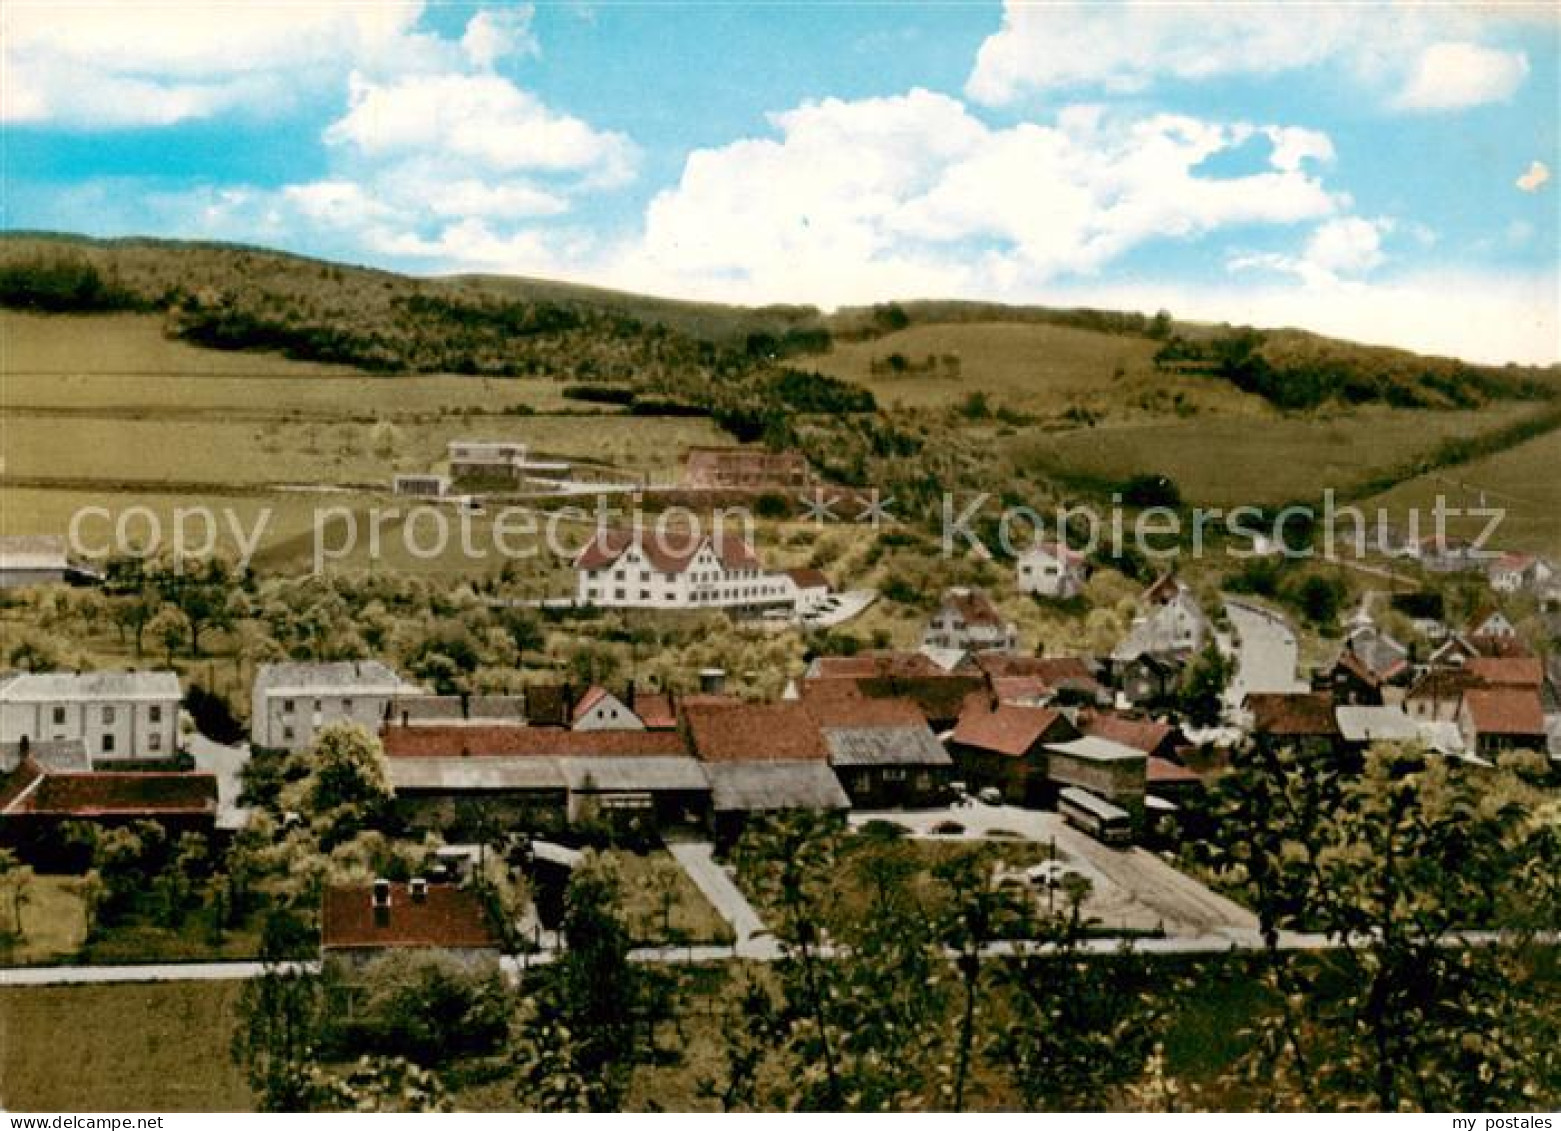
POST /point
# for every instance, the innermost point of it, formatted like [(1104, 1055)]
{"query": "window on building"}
[(154, 741), (346, 706), (154, 713), (287, 734), (59, 716), (108, 716), (287, 706), (108, 744)]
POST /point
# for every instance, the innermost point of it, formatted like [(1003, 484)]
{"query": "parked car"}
[(991, 795)]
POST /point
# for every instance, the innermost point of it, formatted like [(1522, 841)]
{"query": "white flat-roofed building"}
[(123, 714), (33, 559), (290, 702)]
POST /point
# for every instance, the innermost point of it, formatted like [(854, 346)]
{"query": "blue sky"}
[(1382, 172)]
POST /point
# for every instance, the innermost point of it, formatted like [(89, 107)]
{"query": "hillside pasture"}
[(1231, 461), (1037, 369)]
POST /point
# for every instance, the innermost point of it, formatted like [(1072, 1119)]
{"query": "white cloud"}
[(478, 121), (855, 201), (136, 63), (1534, 177), (1404, 55), (1451, 76), (493, 34), (1345, 247)]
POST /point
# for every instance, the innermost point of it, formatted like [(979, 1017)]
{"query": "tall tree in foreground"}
[(1396, 867)]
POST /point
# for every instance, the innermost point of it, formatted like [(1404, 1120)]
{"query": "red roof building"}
[(361, 921), (521, 742), (1498, 718), (753, 732)]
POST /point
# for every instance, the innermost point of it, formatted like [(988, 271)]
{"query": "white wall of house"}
[(1047, 574), (289, 718), (633, 581), (609, 713), (109, 726)]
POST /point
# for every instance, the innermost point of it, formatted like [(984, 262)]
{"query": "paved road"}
[(698, 860), (1267, 655), (227, 762)]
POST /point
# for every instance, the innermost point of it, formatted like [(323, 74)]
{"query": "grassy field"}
[(1522, 480), (54, 923), (120, 1048), (1032, 368), (662, 904), (1224, 462)]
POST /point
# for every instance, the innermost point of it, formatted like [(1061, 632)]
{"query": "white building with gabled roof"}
[(639, 569), (115, 714), (290, 702)]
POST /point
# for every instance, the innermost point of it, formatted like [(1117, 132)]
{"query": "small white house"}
[(422, 486), (32, 559), (1514, 573), (289, 703), (967, 620), (123, 715), (1051, 569), (1491, 622), (809, 589)]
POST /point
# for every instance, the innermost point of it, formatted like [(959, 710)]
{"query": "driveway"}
[(1132, 888), (1267, 654), (227, 762), (697, 858)]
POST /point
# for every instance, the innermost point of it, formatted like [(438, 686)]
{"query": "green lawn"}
[(54, 924), (662, 904)]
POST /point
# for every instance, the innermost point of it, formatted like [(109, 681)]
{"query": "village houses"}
[(124, 715)]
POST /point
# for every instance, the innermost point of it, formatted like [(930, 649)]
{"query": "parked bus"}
[(1090, 814)]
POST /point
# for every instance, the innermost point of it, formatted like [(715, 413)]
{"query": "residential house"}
[(1154, 739), (1173, 623), (1062, 679), (743, 468), (883, 752), (1436, 695), (456, 710), (290, 702), (124, 716), (1385, 657), (420, 486), (362, 922), (1350, 680), (1446, 554), (1507, 671), (1151, 680), (35, 802), (1303, 721), (1051, 569), (968, 620), (1490, 621), (1003, 747), (1494, 719), (638, 569), (499, 463), (809, 589), (1516, 573)]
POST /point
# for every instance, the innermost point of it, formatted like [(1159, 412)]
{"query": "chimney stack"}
[(419, 887), (628, 695), (381, 903)]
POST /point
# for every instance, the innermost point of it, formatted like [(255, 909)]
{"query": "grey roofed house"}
[(57, 687), (496, 774), (639, 774), (1382, 654), (1096, 749), (454, 710), (756, 787), (344, 675), (885, 746), (1376, 724), (60, 756)]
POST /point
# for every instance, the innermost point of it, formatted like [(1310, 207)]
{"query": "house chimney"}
[(24, 747), (381, 903), (628, 695), (712, 681), (406, 717), (419, 887), (466, 704)]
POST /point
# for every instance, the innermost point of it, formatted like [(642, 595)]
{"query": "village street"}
[(1267, 655)]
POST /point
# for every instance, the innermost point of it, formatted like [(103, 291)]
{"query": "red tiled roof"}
[(754, 732), (521, 742), (655, 710), (1444, 683), (1302, 714), (1505, 710), (852, 711), (1165, 588), (1020, 688), (93, 794), (448, 916), (1006, 729), (808, 578), (1162, 771), (1348, 661), (593, 695), (670, 551), (1507, 671), (1141, 734)]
